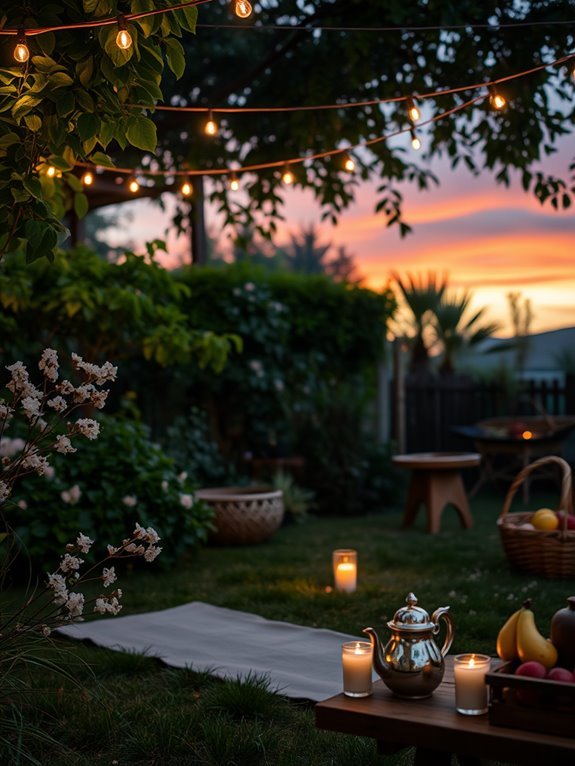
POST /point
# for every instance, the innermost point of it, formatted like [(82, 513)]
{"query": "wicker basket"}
[(550, 554), (243, 515)]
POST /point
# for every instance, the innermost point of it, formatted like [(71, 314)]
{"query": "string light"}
[(412, 111), (233, 182), (415, 141), (348, 163), (287, 175), (496, 100), (186, 189), (21, 51), (211, 126), (51, 171), (123, 38), (242, 8), (88, 178), (133, 186)]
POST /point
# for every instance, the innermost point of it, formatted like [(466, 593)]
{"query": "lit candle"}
[(356, 660), (345, 570), (470, 686)]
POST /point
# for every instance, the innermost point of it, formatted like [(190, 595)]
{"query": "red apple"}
[(532, 669), (560, 674), (570, 519)]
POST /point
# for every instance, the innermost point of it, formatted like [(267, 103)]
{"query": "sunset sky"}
[(488, 238)]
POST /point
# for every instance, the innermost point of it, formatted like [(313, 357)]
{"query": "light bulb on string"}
[(233, 182), (287, 175), (415, 141), (133, 186), (21, 51), (211, 126), (348, 163), (412, 110), (496, 100), (51, 171), (123, 38), (242, 8), (186, 188), (87, 178)]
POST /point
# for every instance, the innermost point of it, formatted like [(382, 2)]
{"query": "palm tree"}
[(454, 332), (422, 296), (305, 254)]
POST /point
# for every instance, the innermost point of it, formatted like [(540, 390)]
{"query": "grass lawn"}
[(132, 710)]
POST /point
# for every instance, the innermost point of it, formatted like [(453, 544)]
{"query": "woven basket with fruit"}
[(541, 542), (535, 688)]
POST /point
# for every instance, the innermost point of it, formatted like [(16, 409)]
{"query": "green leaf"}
[(65, 103), (74, 182), (81, 205), (85, 100), (175, 56), (149, 24), (9, 139), (60, 80), (24, 105), (33, 122), (47, 64), (99, 158), (85, 70), (141, 133), (119, 56), (88, 126)]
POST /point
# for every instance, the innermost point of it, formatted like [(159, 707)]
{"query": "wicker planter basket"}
[(546, 553), (244, 515)]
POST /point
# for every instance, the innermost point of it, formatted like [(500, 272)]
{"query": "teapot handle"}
[(443, 613)]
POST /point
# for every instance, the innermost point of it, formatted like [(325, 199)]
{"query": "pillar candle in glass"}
[(345, 569), (470, 686), (357, 661)]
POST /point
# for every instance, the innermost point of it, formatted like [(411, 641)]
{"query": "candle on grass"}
[(470, 686), (357, 660), (345, 570)]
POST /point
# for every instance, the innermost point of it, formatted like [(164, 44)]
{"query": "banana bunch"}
[(519, 639)]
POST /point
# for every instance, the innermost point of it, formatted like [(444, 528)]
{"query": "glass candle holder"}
[(357, 662), (345, 569), (470, 686)]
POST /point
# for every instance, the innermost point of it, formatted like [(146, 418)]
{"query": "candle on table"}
[(356, 660), (470, 686), (345, 569)]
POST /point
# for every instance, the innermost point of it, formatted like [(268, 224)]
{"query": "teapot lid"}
[(411, 617)]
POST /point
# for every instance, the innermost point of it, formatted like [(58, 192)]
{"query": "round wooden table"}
[(436, 481)]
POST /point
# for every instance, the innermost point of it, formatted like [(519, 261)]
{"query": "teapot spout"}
[(380, 664)]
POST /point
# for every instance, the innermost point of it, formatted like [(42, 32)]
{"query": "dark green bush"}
[(120, 465)]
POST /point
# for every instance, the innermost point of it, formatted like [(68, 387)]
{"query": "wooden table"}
[(436, 481), (434, 726)]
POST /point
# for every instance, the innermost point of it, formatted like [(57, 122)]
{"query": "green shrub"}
[(122, 477)]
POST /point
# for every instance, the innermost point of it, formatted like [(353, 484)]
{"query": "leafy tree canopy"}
[(71, 101)]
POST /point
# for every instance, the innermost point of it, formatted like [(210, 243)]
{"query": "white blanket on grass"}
[(299, 662)]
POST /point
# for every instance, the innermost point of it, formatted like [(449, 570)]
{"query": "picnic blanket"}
[(299, 662)]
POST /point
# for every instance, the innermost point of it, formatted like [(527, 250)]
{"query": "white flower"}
[(72, 495), (249, 287), (165, 486), (139, 531), (186, 501), (49, 472), (84, 543), (152, 536), (49, 364), (279, 385), (65, 387), (63, 445), (58, 403), (112, 550), (58, 584), (46, 631), (88, 427), (75, 604), (130, 500), (151, 553), (70, 563), (107, 372), (109, 604), (35, 462), (5, 410), (10, 447), (108, 576), (31, 407), (4, 491), (135, 550), (182, 477), (22, 504)]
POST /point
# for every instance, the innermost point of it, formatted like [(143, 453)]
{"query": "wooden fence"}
[(425, 410)]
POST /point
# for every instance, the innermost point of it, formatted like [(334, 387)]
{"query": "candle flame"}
[(472, 661), (527, 435), (357, 648)]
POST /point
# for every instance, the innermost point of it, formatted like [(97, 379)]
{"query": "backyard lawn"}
[(127, 709)]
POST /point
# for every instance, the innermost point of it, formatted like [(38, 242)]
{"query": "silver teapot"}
[(412, 665)]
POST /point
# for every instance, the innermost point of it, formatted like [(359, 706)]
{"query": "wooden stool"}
[(435, 482)]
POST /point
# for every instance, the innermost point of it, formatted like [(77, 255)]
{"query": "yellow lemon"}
[(545, 519)]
